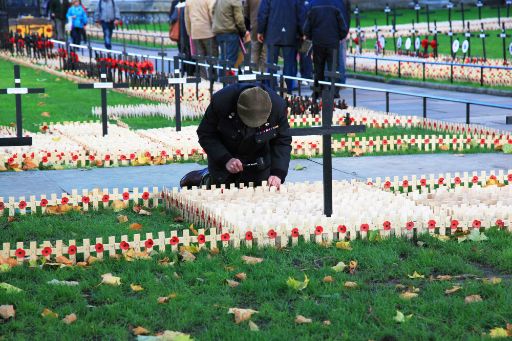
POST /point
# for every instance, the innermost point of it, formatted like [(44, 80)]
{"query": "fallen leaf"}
[(190, 248), (498, 332), (352, 266), (136, 287), (69, 319), (400, 317), (214, 251), (477, 236), (299, 319), (10, 288), (251, 260), (357, 152), (193, 230), (187, 256), (343, 245), (232, 284), (416, 275), (66, 283), (229, 268), (118, 205), (91, 260), (241, 276), (350, 285), (7, 311), (132, 255), (110, 280), (492, 280), (253, 326), (473, 299), (135, 226), (45, 114), (140, 331), (63, 260), (443, 277), (444, 147), (41, 104), (327, 323), (241, 314), (122, 219), (453, 289), (328, 279), (297, 285), (339, 267), (48, 313), (170, 335), (299, 167), (165, 262), (163, 299), (408, 295)]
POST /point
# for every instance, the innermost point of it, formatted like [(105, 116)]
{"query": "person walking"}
[(78, 18), (229, 28), (346, 9), (325, 27), (198, 21), (107, 14), (280, 24), (258, 49), (58, 10)]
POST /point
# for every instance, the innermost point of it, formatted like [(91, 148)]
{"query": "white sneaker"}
[(304, 83)]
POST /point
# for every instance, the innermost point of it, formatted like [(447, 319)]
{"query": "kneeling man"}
[(245, 134)]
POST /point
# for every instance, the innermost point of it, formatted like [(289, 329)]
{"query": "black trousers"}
[(76, 35), (322, 58)]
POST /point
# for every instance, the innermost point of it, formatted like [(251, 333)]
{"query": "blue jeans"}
[(229, 44), (108, 28), (306, 65), (290, 62), (342, 61)]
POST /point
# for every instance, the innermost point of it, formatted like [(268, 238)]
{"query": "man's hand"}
[(261, 38), (234, 166), (274, 181)]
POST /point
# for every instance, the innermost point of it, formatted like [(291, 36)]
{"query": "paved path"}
[(47, 182)]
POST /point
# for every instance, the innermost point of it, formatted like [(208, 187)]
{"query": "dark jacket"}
[(223, 136), (58, 9), (325, 25), (281, 21)]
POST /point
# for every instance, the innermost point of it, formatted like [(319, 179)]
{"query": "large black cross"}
[(18, 91), (503, 35), (103, 86), (327, 130), (177, 81)]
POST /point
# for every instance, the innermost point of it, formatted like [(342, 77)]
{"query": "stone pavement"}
[(48, 182)]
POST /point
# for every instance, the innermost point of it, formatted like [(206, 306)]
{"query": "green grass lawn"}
[(201, 297)]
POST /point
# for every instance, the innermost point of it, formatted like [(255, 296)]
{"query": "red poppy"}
[(385, 142), (91, 157), (225, 237), (43, 202), (477, 224), (365, 227), (85, 199), (431, 224), (410, 225), (147, 154), (46, 251), (201, 239), (342, 229), (424, 43), (492, 177), (123, 157), (457, 180), (145, 196), (22, 205), (433, 44), (271, 234), (399, 141), (369, 183), (124, 245), (74, 157), (295, 232), (20, 253), (105, 198), (64, 200), (509, 178), (126, 196), (423, 182), (454, 224), (413, 141), (319, 230), (440, 181), (500, 223), (107, 157), (475, 179), (44, 159), (387, 184), (99, 248), (386, 225), (248, 235), (356, 40), (72, 250), (405, 183), (174, 240)]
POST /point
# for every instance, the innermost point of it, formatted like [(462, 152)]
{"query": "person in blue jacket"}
[(280, 25), (78, 18), (326, 27)]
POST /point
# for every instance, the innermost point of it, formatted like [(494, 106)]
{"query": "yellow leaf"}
[(443, 277), (452, 290), (352, 266), (444, 147), (118, 205), (56, 139), (297, 285), (473, 299), (241, 276), (328, 279), (136, 287), (108, 279), (241, 314), (350, 285), (48, 313), (140, 331), (339, 267), (408, 295), (122, 219), (63, 260), (135, 226), (91, 259), (190, 248), (492, 280), (498, 332), (45, 114), (69, 319), (416, 275), (7, 311), (187, 256), (400, 317), (299, 319), (251, 260), (344, 245), (193, 230), (232, 284), (253, 326)]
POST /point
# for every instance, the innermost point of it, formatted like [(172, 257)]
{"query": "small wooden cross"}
[(103, 85), (326, 130), (417, 8), (18, 91), (177, 81), (479, 5), (503, 35), (483, 36), (462, 11)]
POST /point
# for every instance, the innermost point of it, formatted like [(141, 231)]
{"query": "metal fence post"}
[(355, 58), (423, 71), (481, 76), (399, 69), (424, 107), (354, 97), (467, 113), (387, 102), (451, 73), (376, 66)]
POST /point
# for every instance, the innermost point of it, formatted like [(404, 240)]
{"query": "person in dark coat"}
[(326, 27), (58, 10), (245, 134), (280, 25)]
